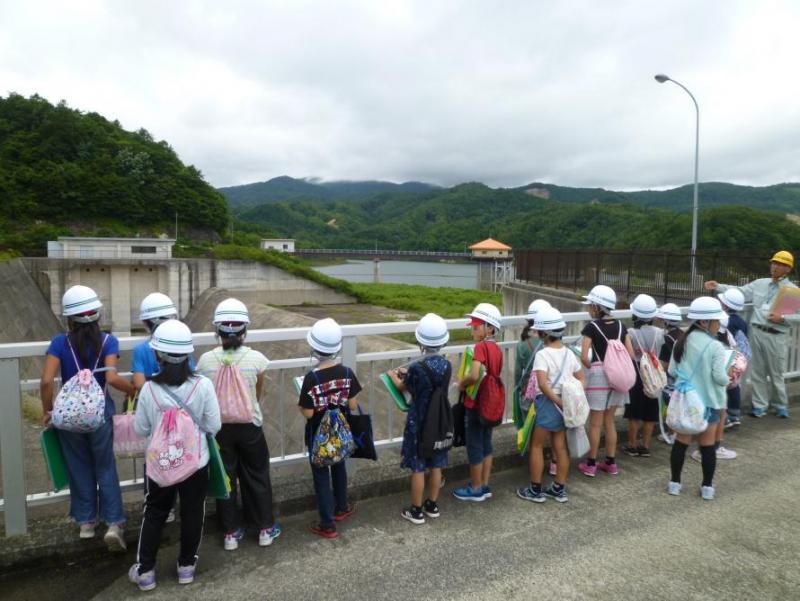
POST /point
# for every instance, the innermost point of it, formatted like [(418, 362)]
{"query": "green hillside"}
[(64, 171)]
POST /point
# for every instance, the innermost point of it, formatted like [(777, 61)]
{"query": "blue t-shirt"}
[(145, 362), (60, 349)]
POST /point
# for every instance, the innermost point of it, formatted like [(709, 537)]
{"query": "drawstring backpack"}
[(235, 405), (333, 441), (650, 370), (80, 405), (686, 412), (617, 363)]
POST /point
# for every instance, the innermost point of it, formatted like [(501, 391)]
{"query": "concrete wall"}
[(121, 284), (518, 295)]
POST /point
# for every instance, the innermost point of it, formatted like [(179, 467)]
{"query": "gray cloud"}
[(504, 93)]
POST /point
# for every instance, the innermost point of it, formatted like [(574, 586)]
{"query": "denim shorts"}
[(712, 416), (548, 417), (479, 438)]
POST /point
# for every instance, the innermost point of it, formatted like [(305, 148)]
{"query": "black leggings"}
[(708, 456)]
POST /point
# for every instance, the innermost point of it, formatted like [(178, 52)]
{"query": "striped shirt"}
[(251, 363)]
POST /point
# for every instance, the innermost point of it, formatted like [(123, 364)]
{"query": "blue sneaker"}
[(782, 412), (466, 493), (267, 535), (528, 493), (557, 495), (756, 412), (185, 574), (146, 581), (487, 492), (231, 541)]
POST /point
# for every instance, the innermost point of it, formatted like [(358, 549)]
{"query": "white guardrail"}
[(283, 423)]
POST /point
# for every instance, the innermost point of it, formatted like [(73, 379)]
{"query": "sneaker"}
[(553, 468), (87, 530), (560, 495), (612, 469), (342, 514), (723, 453), (267, 535), (732, 422), (413, 515), (782, 412), (528, 493), (630, 450), (324, 531), (170, 516), (487, 491), (430, 508), (465, 493), (674, 488), (643, 451), (114, 539), (587, 470), (757, 413), (146, 581), (231, 542), (697, 456), (185, 574), (707, 492)]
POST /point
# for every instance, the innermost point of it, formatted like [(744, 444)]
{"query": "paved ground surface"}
[(617, 538)]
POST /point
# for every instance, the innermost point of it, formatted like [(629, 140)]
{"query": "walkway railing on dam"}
[(283, 422), (379, 252)]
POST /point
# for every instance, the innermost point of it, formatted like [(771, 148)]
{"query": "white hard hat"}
[(549, 319), (157, 305), (705, 307), (733, 299), (486, 312), (173, 337), (231, 310), (601, 295), (325, 337), (79, 300), (537, 306), (431, 331), (669, 312), (644, 306)]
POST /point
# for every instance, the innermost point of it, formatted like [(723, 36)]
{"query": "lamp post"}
[(661, 78)]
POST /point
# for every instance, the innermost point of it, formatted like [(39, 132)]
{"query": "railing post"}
[(11, 449), (349, 351), (666, 277)]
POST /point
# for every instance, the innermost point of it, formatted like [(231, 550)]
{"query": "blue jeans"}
[(91, 466), (479, 438), (322, 489)]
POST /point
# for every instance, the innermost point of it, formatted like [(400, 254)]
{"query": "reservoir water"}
[(452, 275)]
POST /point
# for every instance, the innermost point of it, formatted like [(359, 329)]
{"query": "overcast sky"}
[(505, 93)]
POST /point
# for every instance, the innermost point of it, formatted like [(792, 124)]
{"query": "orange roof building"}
[(490, 244), (490, 249)]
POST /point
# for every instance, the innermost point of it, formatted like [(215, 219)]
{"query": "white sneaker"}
[(674, 488), (707, 492), (723, 453), (87, 530), (696, 456), (170, 516), (114, 539)]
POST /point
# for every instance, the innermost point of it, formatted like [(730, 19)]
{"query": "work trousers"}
[(766, 369), (245, 454)]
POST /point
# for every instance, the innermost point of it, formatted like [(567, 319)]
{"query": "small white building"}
[(284, 245), (110, 248), (490, 249)]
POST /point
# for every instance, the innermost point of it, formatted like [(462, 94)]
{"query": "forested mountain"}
[(289, 188), (64, 171)]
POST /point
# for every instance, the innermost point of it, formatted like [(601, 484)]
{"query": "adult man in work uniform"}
[(768, 335)]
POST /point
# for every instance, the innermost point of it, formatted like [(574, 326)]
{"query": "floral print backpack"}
[(80, 405)]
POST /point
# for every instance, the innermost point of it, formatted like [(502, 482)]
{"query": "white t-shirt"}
[(550, 360), (647, 338)]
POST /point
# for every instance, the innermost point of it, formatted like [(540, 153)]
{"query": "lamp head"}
[(661, 78)]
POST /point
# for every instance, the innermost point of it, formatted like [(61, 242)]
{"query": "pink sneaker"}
[(553, 468), (587, 470), (611, 469)]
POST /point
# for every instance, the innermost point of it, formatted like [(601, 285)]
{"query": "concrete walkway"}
[(617, 538)]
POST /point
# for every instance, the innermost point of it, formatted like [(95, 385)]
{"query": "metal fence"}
[(665, 276), (283, 423)]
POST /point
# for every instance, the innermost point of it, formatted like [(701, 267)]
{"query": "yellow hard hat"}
[(783, 256)]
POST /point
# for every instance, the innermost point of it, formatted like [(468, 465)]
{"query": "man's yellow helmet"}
[(784, 257)]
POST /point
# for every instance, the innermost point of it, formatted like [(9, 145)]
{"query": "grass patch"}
[(447, 302), (31, 409)]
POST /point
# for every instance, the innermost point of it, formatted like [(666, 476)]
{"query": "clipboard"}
[(397, 396), (465, 367), (787, 301)]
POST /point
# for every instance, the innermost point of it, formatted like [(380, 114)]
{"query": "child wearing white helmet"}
[(603, 400), (89, 457), (700, 359), (523, 361), (732, 301), (642, 410), (155, 309), (239, 373), (420, 379), (175, 381), (328, 385), (551, 364), (485, 321)]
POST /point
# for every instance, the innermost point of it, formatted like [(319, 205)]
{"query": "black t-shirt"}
[(670, 338), (611, 329), (332, 386)]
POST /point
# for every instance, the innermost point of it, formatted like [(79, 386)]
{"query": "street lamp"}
[(661, 78)]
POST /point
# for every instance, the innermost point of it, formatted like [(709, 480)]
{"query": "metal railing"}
[(283, 423), (382, 252)]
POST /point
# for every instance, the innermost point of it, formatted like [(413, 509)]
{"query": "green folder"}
[(54, 459), (466, 367), (397, 396), (219, 484), (524, 433)]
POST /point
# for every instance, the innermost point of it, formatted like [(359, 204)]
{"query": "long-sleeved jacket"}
[(705, 364)]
